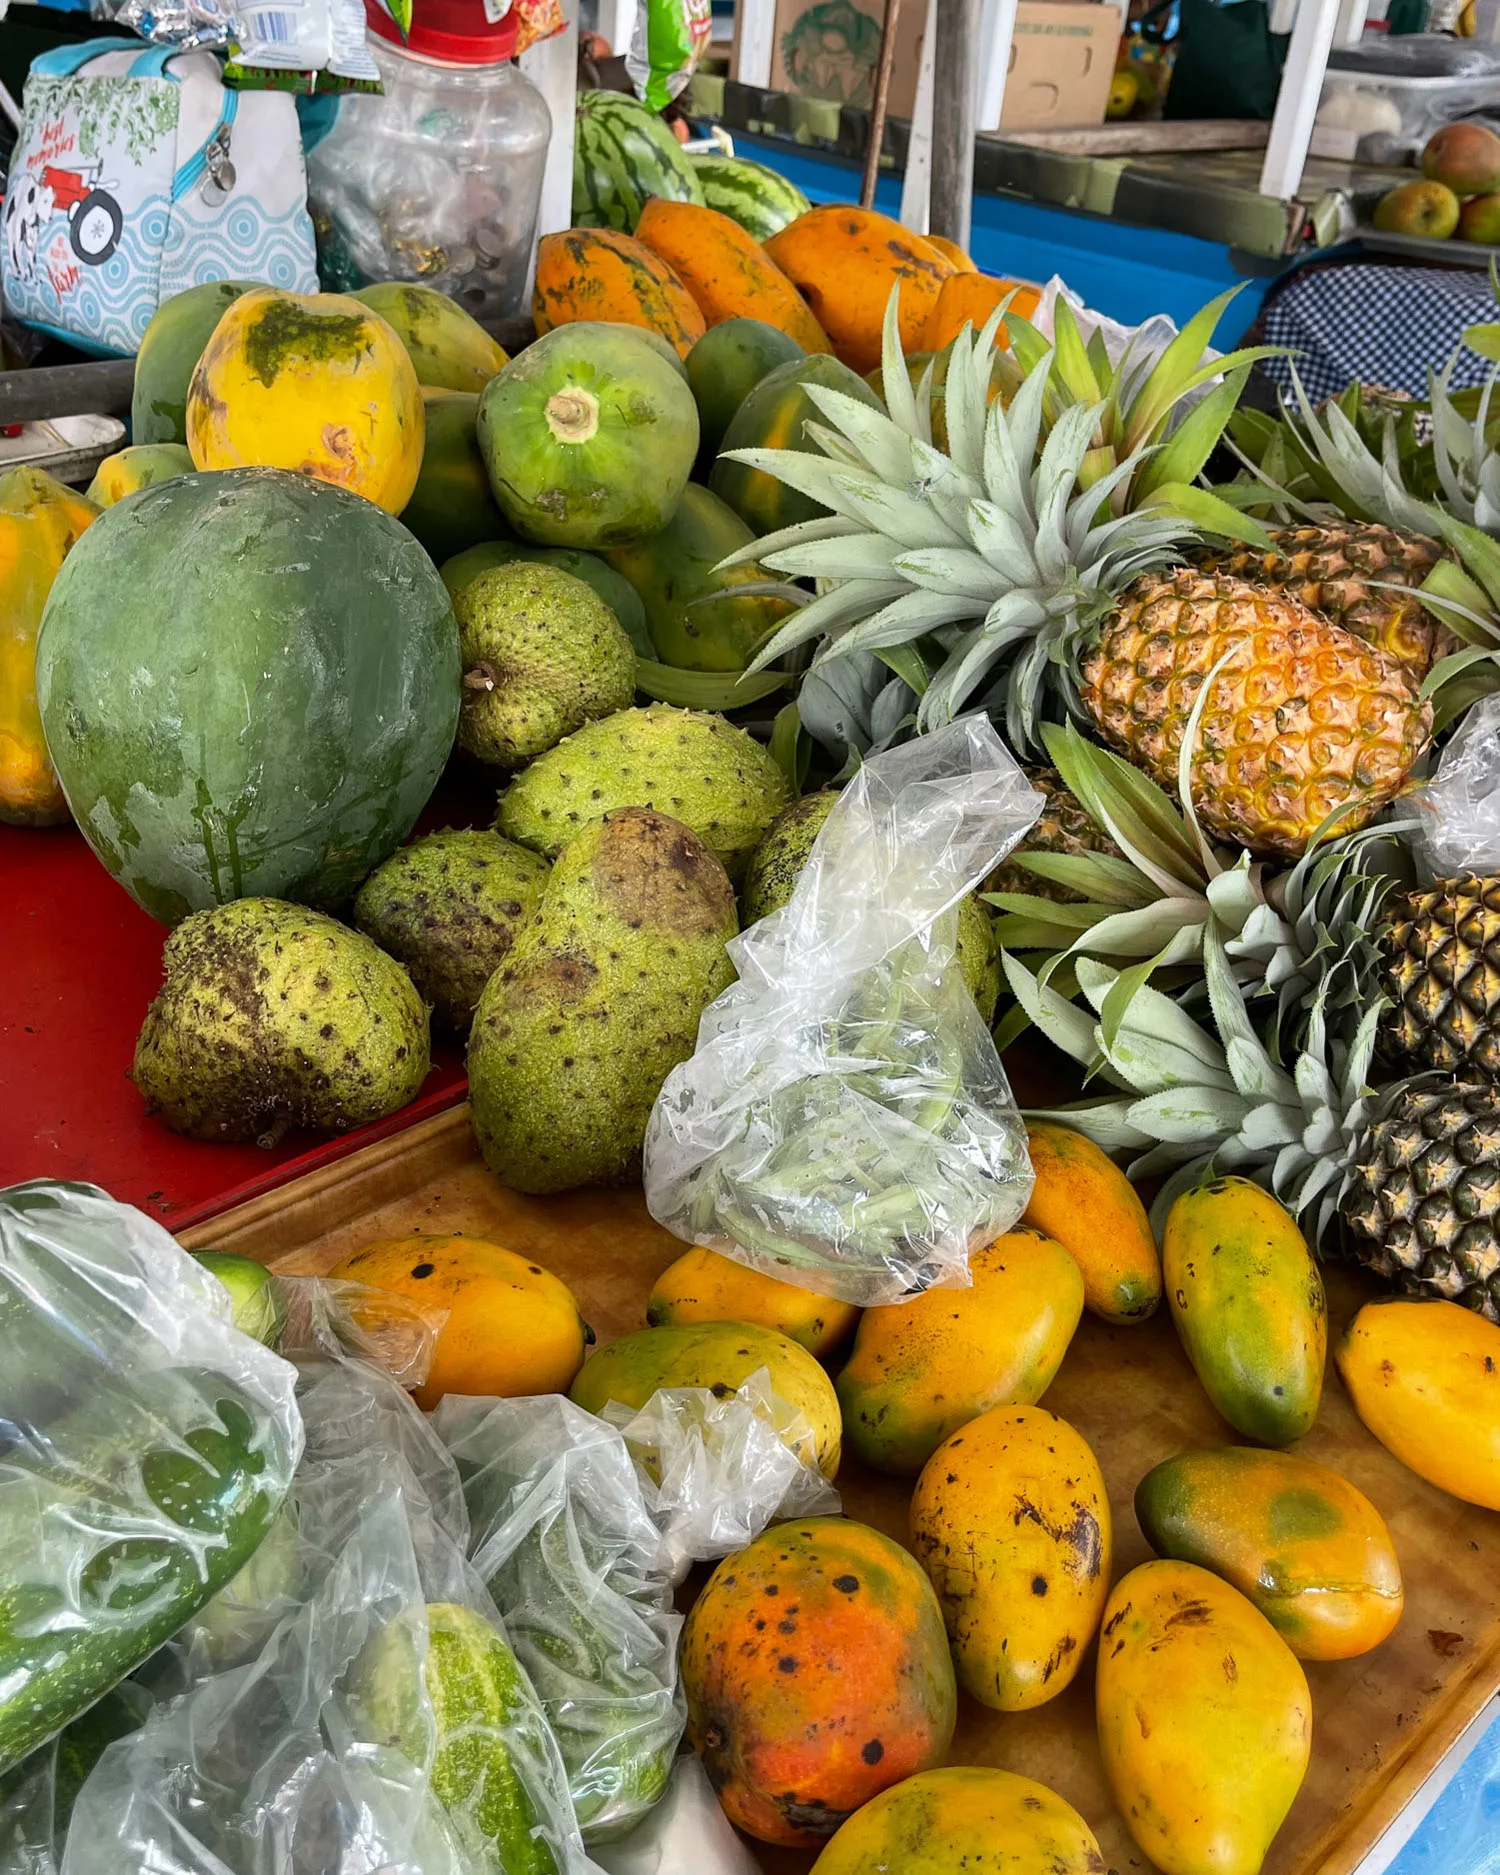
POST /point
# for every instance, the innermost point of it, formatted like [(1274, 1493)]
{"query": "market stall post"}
[(917, 183), (617, 23), (552, 66), (757, 30), (1297, 101), (955, 75)]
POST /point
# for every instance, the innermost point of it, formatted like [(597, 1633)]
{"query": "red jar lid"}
[(455, 30)]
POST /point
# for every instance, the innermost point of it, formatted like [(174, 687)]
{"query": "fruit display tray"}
[(1381, 1723)]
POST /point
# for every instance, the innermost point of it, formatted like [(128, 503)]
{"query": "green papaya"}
[(725, 366), (451, 508), (613, 588), (449, 349), (173, 343), (773, 416)]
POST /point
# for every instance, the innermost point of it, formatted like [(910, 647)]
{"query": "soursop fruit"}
[(597, 1002), (542, 655), (448, 907), (776, 865), (694, 767), (272, 1016)]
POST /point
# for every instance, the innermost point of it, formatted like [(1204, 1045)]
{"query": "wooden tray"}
[(1381, 1724)]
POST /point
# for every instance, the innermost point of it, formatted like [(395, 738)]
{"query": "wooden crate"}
[(1381, 1723)]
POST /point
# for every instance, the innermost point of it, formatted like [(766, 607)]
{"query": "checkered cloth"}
[(1377, 324)]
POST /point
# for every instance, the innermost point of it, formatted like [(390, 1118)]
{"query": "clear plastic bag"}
[(37, 1796), (1460, 806), (686, 1834), (563, 1539), (845, 1122), (146, 1445)]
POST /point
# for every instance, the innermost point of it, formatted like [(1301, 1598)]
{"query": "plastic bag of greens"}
[(845, 1122), (145, 1448), (37, 1796), (1459, 808), (565, 1543), (686, 1834), (384, 1724)]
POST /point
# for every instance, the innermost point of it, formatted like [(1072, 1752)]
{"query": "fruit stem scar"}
[(573, 415)]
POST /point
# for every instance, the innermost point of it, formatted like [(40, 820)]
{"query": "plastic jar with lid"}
[(440, 179)]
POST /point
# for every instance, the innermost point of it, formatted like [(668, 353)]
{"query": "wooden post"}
[(552, 67), (757, 35), (1297, 101), (617, 24), (917, 182), (878, 104), (955, 79), (997, 31)]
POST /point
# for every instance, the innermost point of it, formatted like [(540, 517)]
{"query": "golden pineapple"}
[(1347, 572), (1063, 827), (1304, 717), (1442, 973)]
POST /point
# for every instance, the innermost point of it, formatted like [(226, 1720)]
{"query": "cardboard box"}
[(1061, 62)]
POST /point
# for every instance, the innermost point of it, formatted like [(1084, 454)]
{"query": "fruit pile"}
[(1459, 196)]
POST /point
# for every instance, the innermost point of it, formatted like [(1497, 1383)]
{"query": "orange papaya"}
[(950, 250), (597, 274), (726, 270), (845, 262), (968, 299)]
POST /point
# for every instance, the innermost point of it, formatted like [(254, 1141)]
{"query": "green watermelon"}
[(623, 154), (249, 685), (760, 200), (180, 328)]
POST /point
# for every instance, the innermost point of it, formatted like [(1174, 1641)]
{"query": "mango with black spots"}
[(315, 383), (1010, 1519), (817, 1675), (721, 1357), (703, 1286), (506, 1326), (1424, 1377), (1205, 1720), (921, 1369), (1309, 1550), (1083, 1199), (1248, 1303), (964, 1817)]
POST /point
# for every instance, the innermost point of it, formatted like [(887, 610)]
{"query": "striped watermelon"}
[(760, 200), (622, 154)]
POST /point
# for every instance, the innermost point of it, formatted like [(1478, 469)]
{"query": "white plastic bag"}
[(687, 1834), (145, 1448), (1460, 805), (845, 1122)]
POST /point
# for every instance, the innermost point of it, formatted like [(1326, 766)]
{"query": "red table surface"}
[(79, 963)]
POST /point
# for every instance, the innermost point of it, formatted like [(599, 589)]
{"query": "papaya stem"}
[(573, 415)]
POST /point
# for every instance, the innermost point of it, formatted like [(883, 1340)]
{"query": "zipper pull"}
[(219, 176)]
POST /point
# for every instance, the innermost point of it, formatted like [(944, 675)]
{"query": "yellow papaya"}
[(845, 262), (1010, 1519), (448, 347), (1424, 1377), (720, 1356), (140, 466), (964, 1817), (951, 251), (969, 298), (702, 1286), (1205, 1720), (1083, 1199), (1311, 1552), (921, 1369), (320, 384), (726, 270), (597, 276), (1249, 1307)]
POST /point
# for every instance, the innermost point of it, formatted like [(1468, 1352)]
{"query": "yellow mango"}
[(1310, 1551), (318, 384), (1205, 1720), (1083, 1199), (720, 1356), (921, 1369), (1425, 1378), (1249, 1307), (702, 1286), (1010, 1519), (964, 1817)]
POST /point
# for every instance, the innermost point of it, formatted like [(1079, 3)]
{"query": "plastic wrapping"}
[(145, 1448), (845, 1122), (668, 40), (686, 1834), (181, 24), (37, 1796), (564, 1541), (1459, 807)]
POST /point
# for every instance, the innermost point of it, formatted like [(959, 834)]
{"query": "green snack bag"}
[(670, 38)]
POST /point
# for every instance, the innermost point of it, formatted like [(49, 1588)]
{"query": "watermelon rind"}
[(759, 199), (623, 154)]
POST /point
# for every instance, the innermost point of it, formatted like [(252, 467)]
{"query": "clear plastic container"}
[(438, 181), (1381, 101)]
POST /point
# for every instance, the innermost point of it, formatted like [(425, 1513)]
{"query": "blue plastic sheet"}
[(1460, 1835)]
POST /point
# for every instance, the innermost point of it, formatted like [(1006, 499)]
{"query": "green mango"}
[(725, 366)]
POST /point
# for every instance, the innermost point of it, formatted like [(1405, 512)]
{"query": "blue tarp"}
[(1460, 1835)]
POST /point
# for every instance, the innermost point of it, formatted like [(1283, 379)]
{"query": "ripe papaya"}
[(1205, 1720), (697, 619), (317, 384), (1424, 1377), (726, 270), (772, 417), (448, 348), (950, 250), (846, 262), (509, 1327), (597, 275), (1083, 1199), (702, 1286), (1249, 1307), (1299, 1541), (451, 508), (969, 299), (127, 470), (720, 1356), (1010, 1519), (964, 1817), (40, 520), (724, 367), (817, 1674), (923, 1368), (170, 349)]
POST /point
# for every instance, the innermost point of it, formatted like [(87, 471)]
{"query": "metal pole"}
[(955, 82), (878, 103)]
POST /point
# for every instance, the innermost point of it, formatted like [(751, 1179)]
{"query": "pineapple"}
[(1005, 559), (1442, 974), (1064, 826)]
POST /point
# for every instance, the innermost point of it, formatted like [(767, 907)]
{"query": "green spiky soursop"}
[(598, 1002), (542, 655), (694, 767), (776, 865), (273, 1016), (448, 907)]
